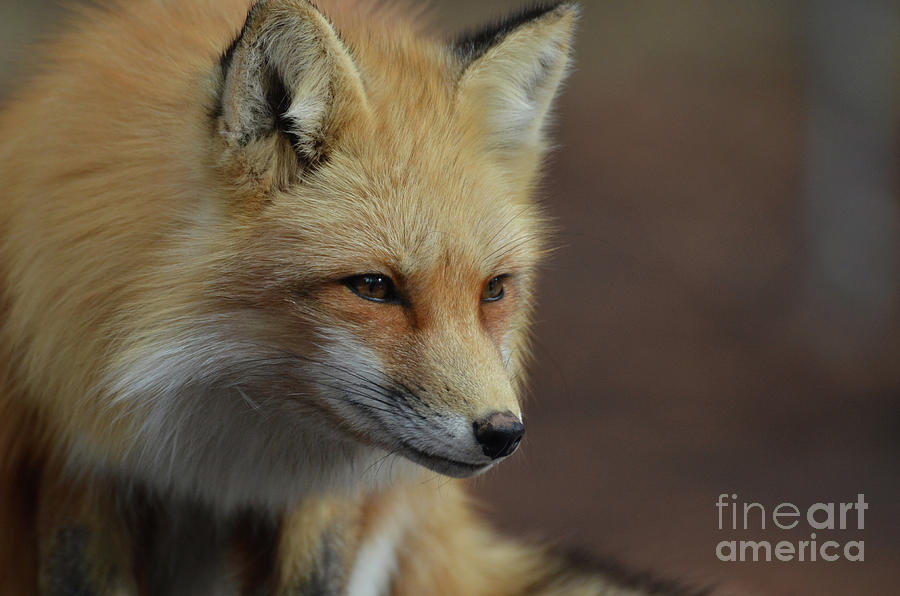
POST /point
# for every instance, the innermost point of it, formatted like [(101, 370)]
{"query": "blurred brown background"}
[(723, 315)]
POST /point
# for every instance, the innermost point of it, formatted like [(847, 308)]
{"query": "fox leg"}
[(449, 551), (82, 542), (316, 547), (56, 536)]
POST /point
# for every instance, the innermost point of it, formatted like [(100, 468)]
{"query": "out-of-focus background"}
[(723, 314)]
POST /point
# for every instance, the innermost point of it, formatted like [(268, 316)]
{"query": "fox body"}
[(265, 270)]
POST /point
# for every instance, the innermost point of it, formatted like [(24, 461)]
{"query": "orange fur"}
[(190, 395)]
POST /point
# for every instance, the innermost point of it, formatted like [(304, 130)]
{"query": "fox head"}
[(351, 292)]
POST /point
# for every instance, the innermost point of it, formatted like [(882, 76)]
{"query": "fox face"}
[(349, 294)]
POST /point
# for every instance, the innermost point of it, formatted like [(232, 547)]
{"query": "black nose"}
[(499, 434)]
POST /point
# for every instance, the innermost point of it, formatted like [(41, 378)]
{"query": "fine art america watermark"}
[(737, 515)]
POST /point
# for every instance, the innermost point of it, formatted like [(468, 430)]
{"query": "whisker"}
[(508, 222), (247, 399), (363, 404)]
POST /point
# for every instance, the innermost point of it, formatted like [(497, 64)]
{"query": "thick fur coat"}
[(263, 269)]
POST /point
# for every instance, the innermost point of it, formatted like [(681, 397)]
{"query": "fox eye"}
[(373, 286), (493, 290)]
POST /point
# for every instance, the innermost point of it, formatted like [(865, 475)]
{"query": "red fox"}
[(264, 272)]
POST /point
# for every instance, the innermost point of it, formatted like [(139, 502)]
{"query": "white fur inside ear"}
[(513, 84), (305, 118), (521, 105), (289, 70)]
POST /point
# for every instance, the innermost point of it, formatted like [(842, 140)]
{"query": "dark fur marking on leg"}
[(254, 557), (327, 575), (66, 566)]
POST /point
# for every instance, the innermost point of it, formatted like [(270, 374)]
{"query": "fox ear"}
[(289, 87), (511, 73)]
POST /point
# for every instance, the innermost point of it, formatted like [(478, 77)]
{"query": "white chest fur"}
[(376, 560)]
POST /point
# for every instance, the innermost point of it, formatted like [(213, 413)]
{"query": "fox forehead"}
[(422, 165), (406, 231)]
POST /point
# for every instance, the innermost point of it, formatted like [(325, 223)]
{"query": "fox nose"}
[(499, 434)]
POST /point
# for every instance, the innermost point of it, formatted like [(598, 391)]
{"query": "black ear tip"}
[(228, 54), (473, 44), (573, 6)]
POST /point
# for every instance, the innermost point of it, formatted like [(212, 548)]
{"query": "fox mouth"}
[(443, 465)]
